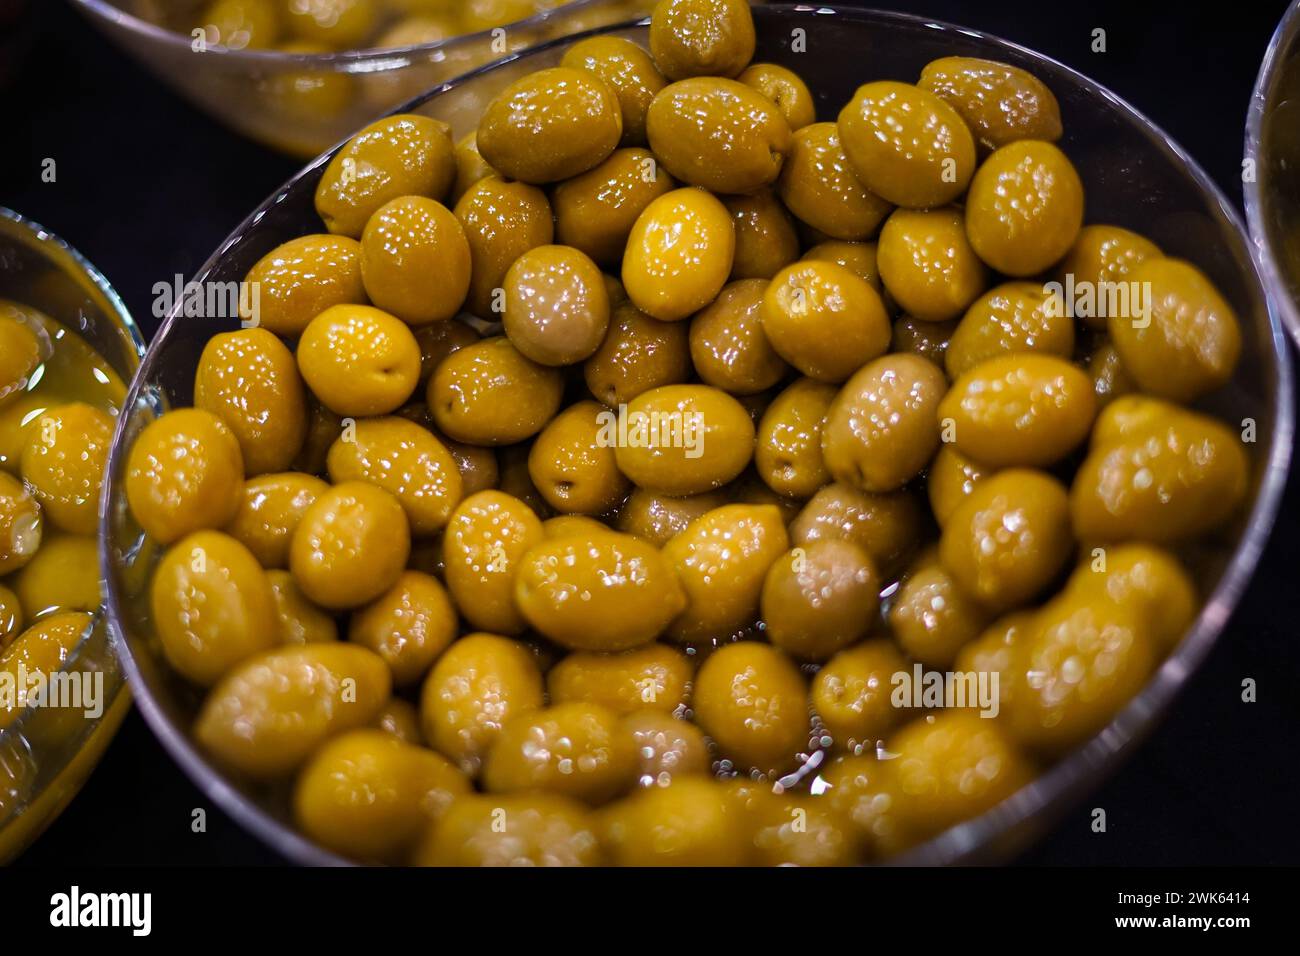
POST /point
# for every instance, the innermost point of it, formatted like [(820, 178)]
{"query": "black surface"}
[(147, 187)]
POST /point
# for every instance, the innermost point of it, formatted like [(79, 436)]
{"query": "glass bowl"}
[(47, 753), (301, 104), (1135, 177), (1273, 145)]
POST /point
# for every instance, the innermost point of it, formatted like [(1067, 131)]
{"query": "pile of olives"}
[(430, 581)]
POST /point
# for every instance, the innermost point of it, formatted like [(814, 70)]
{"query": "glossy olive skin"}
[(718, 134), (407, 461), (928, 265), (691, 822), (526, 829), (679, 254), (470, 167), (1110, 379), (721, 560), (489, 393), (999, 102), (402, 155), (628, 70), (270, 713), (551, 125), (556, 305), (438, 340), (63, 464), (858, 257), (766, 239), (576, 749), (861, 787), (249, 380), (399, 718), (350, 546), (1083, 660), (652, 677), (786, 89), (1009, 538), (819, 186), (62, 576), (824, 320), (44, 648), (628, 591), (184, 474), (819, 599), (487, 536), (657, 517), (639, 353), (952, 477), (300, 279), (729, 348), (212, 606), (1148, 580), (701, 37), (1190, 342), (788, 443), (907, 145), (710, 439), (1024, 208), (415, 260), (270, 508), (932, 616), (886, 526), (367, 795), (951, 768), (1158, 473), (795, 829), (852, 694), (300, 621), (359, 360), (1104, 254), (666, 747), (11, 617), (595, 211), (883, 428), (478, 683), (572, 466), (502, 220), (1021, 409), (752, 700), (21, 350), (408, 625), (1013, 317), (926, 339)]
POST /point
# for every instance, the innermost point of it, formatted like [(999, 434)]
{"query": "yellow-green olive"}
[(401, 155), (269, 714), (657, 517), (820, 187), (551, 125), (819, 599), (249, 380), (489, 393), (595, 211), (525, 829), (786, 89), (359, 360), (729, 348), (907, 145), (408, 625), (1013, 317), (572, 463), (639, 353), (788, 443), (766, 239), (928, 265), (883, 427), (63, 464), (721, 560), (415, 260), (270, 507), (486, 538), (299, 279), (609, 592), (1024, 208), (679, 254), (701, 37), (654, 676), (1101, 255), (630, 72), (502, 220), (301, 622), (951, 479), (999, 102), (752, 700), (884, 525), (683, 439), (556, 305), (932, 616), (853, 694)]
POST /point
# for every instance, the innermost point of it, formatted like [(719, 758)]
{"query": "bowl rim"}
[(109, 13), (122, 316), (1284, 39), (1039, 801)]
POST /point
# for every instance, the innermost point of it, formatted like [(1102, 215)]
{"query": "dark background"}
[(148, 187)]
